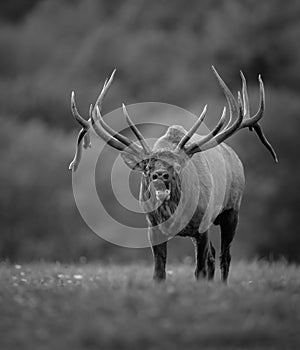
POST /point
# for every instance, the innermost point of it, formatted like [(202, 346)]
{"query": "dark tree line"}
[(163, 51)]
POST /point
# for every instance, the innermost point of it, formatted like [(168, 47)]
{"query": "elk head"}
[(161, 168)]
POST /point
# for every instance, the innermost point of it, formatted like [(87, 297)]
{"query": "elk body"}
[(189, 182)]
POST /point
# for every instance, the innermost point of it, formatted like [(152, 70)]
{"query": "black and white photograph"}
[(149, 175)]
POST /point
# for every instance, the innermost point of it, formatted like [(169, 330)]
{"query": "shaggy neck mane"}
[(168, 207)]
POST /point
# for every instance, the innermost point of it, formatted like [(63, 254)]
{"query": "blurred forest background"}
[(163, 50)]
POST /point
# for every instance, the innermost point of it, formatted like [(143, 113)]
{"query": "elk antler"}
[(136, 131), (240, 111), (192, 130), (103, 130)]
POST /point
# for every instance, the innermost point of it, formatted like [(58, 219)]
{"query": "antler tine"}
[(215, 136), (233, 107), (87, 140), (83, 136), (96, 116), (258, 129), (241, 105), (228, 94), (84, 123), (244, 119), (90, 110), (237, 110), (104, 90), (106, 81), (253, 122), (78, 153), (246, 105), (250, 121), (136, 131), (192, 130), (110, 140), (127, 142), (107, 133), (196, 147)]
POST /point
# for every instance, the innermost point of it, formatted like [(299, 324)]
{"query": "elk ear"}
[(133, 161)]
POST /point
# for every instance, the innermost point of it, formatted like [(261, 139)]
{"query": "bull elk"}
[(184, 166)]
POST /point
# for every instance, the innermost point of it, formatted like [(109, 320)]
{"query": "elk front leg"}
[(159, 250), (211, 262), (201, 254)]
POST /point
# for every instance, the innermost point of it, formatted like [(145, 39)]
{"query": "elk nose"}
[(162, 175)]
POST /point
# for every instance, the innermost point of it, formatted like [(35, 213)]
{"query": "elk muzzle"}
[(161, 185)]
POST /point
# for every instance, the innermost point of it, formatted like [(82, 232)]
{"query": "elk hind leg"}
[(228, 221)]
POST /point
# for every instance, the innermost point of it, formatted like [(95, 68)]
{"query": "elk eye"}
[(166, 176), (154, 176)]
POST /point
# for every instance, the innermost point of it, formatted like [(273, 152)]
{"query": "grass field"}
[(92, 306)]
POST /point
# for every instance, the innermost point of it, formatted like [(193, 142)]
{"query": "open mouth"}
[(163, 194)]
